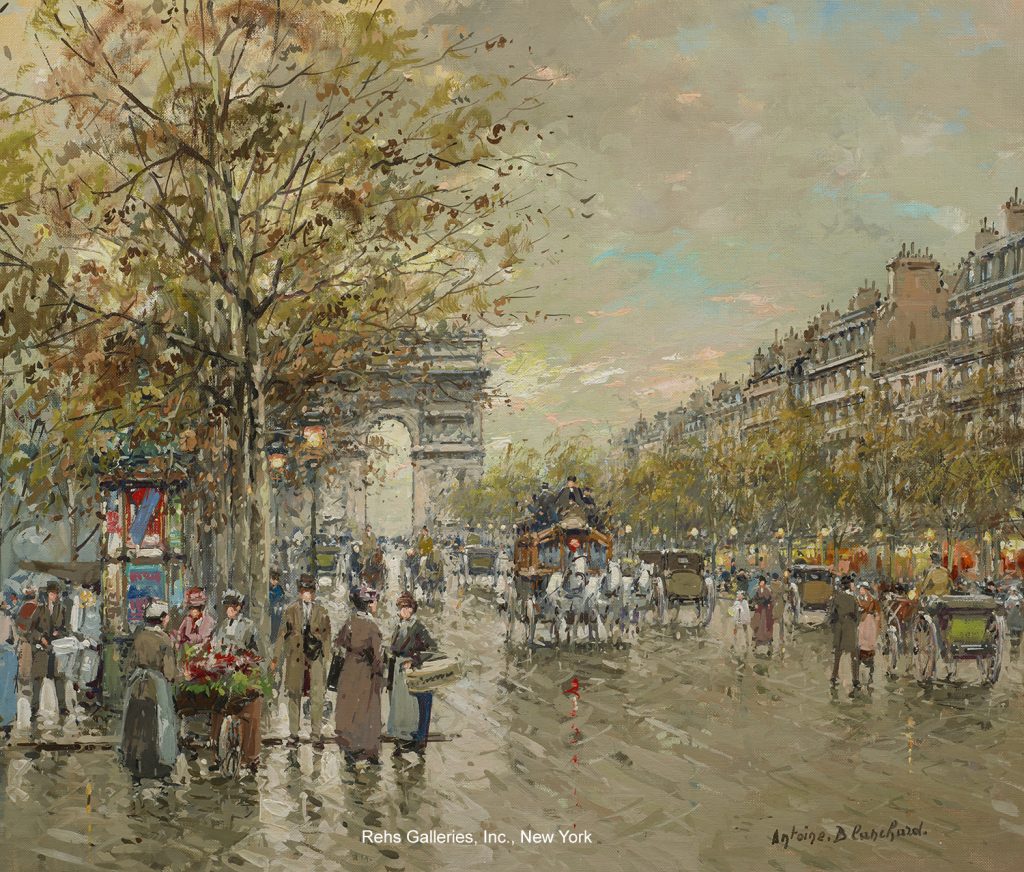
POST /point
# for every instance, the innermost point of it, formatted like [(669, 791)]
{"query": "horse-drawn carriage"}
[(814, 586), (950, 629), (957, 628), (557, 575), (430, 577), (481, 560), (682, 574)]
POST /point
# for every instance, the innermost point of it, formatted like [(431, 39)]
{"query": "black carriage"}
[(683, 575), (957, 628), (815, 587)]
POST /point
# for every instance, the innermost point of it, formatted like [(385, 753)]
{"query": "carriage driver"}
[(937, 582)]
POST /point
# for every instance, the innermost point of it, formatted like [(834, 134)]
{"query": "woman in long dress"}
[(869, 626), (149, 730), (8, 672), (357, 712), (411, 644), (764, 626)]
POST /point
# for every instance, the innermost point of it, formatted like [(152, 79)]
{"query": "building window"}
[(1008, 316), (986, 268), (986, 324), (969, 324)]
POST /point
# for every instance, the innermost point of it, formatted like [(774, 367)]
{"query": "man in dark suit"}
[(48, 622), (843, 615)]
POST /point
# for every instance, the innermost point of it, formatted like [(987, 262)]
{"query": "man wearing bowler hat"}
[(49, 621), (303, 645)]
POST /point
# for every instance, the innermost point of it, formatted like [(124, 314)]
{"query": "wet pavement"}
[(678, 754)]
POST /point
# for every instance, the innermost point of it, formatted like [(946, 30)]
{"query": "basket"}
[(434, 674), (188, 702)]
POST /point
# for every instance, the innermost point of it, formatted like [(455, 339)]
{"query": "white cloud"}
[(603, 377)]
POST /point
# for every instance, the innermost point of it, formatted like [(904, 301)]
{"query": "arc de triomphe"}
[(435, 389)]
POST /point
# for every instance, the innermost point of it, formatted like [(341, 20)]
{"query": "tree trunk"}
[(259, 492), (222, 561)]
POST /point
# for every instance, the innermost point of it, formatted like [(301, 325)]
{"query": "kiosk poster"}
[(538, 435), (145, 584)]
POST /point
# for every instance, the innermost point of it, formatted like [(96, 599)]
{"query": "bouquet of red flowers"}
[(217, 673)]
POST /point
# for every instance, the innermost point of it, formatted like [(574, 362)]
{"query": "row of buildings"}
[(963, 332)]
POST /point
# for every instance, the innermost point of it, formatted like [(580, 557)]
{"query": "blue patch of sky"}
[(673, 270), (980, 49), (691, 40), (900, 209), (829, 18)]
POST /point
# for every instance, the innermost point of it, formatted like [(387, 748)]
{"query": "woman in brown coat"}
[(357, 713)]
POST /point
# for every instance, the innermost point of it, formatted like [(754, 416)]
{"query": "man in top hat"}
[(569, 495), (303, 645), (843, 616), (48, 622)]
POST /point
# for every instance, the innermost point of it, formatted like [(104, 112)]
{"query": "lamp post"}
[(823, 534), (277, 459), (314, 436)]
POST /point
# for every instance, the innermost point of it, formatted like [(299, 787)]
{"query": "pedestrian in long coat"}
[(780, 594), (22, 618), (358, 710), (48, 622), (149, 729), (843, 616), (8, 672), (764, 630), (411, 644), (302, 646)]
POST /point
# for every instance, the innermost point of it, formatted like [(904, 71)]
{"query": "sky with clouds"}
[(750, 161)]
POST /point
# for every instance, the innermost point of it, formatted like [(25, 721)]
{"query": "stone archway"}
[(438, 397)]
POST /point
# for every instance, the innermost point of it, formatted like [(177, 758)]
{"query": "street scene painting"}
[(511, 434)]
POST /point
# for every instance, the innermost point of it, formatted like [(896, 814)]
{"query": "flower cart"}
[(227, 689)]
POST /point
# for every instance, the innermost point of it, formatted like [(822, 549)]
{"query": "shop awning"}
[(77, 573)]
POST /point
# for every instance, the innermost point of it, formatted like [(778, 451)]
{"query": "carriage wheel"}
[(229, 748), (893, 649), (995, 638), (926, 648)]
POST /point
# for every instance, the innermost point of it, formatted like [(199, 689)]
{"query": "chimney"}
[(1013, 213), (986, 235)]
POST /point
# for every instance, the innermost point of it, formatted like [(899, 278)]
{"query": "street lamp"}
[(277, 458), (733, 532), (314, 437)]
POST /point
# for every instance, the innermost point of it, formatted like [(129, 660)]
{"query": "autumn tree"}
[(227, 204)]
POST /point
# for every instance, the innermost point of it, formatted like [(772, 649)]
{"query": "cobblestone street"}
[(687, 756)]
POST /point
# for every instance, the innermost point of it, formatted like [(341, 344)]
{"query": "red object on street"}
[(574, 688)]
